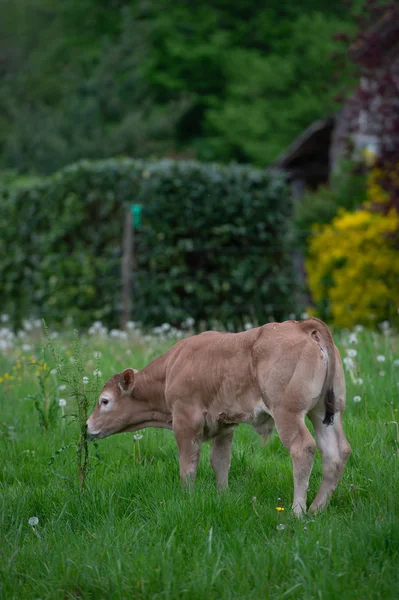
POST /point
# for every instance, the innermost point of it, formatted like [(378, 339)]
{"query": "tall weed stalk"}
[(71, 371)]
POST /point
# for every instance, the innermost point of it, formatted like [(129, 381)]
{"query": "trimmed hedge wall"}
[(213, 244)]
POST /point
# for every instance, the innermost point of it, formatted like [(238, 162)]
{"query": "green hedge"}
[(213, 244)]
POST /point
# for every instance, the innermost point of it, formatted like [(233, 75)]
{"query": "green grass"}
[(134, 534)]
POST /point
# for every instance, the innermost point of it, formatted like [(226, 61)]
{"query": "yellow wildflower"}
[(279, 508)]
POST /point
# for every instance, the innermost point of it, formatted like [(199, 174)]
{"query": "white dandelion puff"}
[(137, 437), (85, 380), (359, 381), (33, 521), (357, 399), (62, 402), (62, 387), (352, 352), (280, 527), (97, 373), (348, 362), (380, 358), (353, 338), (188, 323)]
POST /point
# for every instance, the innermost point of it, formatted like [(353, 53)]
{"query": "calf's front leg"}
[(221, 458), (189, 454)]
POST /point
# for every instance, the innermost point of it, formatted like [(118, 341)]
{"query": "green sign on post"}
[(136, 214)]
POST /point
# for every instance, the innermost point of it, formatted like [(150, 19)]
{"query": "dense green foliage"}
[(133, 534), (213, 80), (214, 243), (347, 190)]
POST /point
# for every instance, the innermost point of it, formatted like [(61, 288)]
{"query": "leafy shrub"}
[(353, 268), (213, 243), (383, 187)]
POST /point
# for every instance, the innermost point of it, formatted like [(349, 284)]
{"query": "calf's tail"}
[(322, 336)]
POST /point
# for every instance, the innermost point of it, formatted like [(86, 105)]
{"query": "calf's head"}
[(117, 410)]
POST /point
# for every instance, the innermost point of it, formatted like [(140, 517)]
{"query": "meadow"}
[(133, 533)]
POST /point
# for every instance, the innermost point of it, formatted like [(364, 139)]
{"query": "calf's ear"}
[(126, 381)]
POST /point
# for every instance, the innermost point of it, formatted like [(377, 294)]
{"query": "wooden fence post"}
[(127, 269)]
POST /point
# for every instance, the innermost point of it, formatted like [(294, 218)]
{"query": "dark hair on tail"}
[(329, 403)]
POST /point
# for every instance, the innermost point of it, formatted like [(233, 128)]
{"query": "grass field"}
[(134, 534)]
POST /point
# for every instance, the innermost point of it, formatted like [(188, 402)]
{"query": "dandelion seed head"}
[(137, 436), (380, 358), (97, 373), (352, 353), (189, 322), (62, 387), (62, 402), (53, 371), (33, 521), (85, 380), (349, 362), (352, 338), (357, 399), (280, 527)]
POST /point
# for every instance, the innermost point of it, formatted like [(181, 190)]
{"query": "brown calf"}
[(207, 384)]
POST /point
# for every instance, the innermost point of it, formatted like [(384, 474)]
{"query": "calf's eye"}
[(104, 401)]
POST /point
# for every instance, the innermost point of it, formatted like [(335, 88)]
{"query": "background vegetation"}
[(208, 80), (214, 244)]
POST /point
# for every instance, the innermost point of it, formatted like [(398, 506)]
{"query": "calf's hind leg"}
[(335, 451), (297, 439)]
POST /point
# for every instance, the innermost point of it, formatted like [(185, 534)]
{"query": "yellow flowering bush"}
[(383, 187), (353, 267)]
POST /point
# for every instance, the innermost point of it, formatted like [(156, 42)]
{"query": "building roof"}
[(307, 157)]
